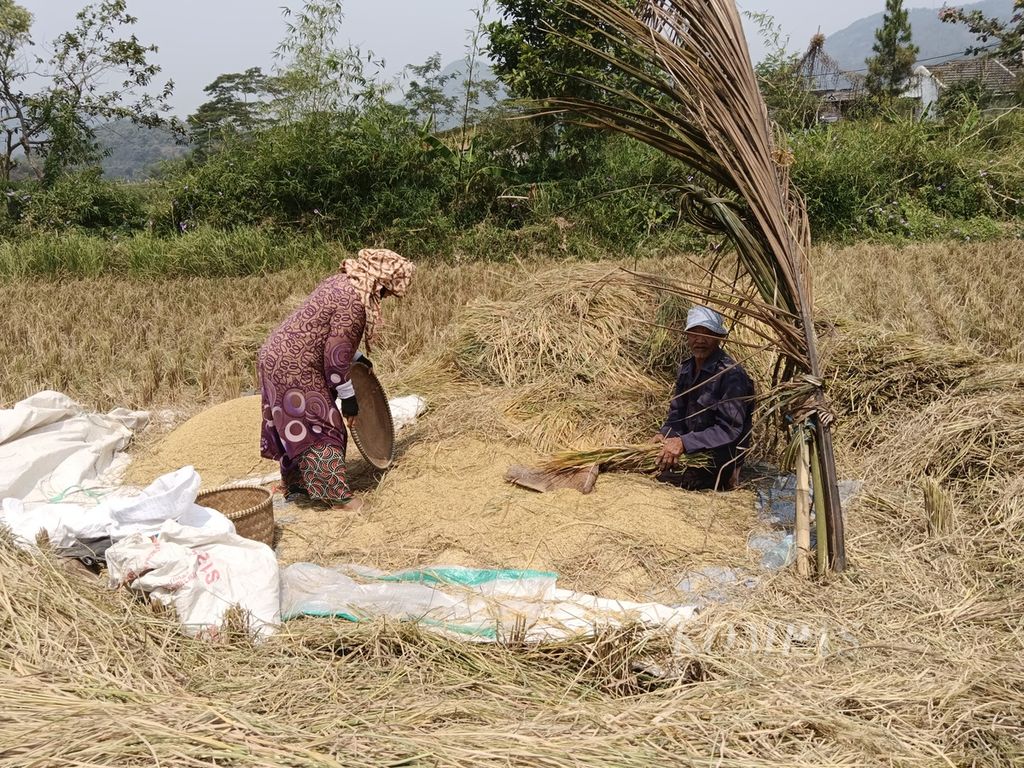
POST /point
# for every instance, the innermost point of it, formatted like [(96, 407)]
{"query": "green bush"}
[(301, 192), (858, 177), (911, 219), (373, 177), (627, 199), (353, 177), (80, 200)]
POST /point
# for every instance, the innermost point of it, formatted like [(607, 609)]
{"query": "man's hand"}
[(671, 449), (352, 421)]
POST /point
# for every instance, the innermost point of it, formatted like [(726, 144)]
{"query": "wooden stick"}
[(820, 525), (833, 508), (803, 506)]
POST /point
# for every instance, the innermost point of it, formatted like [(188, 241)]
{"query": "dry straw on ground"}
[(583, 356), (913, 659), (880, 378)]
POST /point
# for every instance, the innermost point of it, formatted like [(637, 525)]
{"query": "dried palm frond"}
[(618, 458), (684, 84)]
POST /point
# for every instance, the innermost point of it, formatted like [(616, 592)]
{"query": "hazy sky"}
[(200, 39)]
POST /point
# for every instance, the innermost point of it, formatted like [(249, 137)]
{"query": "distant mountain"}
[(457, 69), (134, 151), (938, 41)]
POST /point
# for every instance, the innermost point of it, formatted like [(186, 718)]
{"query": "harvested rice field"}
[(909, 658)]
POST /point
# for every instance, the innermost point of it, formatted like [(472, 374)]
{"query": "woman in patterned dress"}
[(305, 364)]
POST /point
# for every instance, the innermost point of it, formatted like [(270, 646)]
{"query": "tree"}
[(315, 77), (1008, 36), (538, 49), (96, 73), (237, 106), (425, 96), (542, 49), (895, 53)]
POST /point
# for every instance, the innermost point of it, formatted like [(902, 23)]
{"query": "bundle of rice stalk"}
[(618, 458), (938, 506), (575, 324), (872, 369), (624, 406), (677, 75)]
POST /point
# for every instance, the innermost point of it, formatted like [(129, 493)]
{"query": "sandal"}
[(297, 495)]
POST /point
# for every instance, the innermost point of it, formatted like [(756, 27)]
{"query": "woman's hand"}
[(349, 408)]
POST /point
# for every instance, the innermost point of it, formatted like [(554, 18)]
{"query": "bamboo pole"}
[(803, 505), (830, 487), (820, 527)]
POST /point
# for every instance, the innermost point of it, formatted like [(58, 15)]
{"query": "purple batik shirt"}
[(712, 409)]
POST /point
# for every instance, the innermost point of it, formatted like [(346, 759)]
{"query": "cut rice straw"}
[(618, 458)]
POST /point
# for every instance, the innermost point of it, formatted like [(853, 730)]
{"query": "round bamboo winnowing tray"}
[(249, 508), (374, 433)]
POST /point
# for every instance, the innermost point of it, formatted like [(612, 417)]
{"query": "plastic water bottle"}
[(783, 554)]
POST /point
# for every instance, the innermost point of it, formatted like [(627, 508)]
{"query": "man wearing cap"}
[(711, 410)]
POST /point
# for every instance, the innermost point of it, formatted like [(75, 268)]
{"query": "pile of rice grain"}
[(447, 503), (222, 443)]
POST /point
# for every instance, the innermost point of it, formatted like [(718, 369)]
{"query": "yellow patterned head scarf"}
[(374, 269)]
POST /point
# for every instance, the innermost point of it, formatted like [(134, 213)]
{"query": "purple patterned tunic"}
[(301, 365)]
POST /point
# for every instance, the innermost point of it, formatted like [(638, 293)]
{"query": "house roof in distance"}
[(993, 75)]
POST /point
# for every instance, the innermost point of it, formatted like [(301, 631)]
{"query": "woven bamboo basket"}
[(374, 433), (249, 508)]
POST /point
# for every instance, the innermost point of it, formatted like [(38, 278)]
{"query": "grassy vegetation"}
[(204, 252), (245, 251), (266, 204), (912, 180)]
